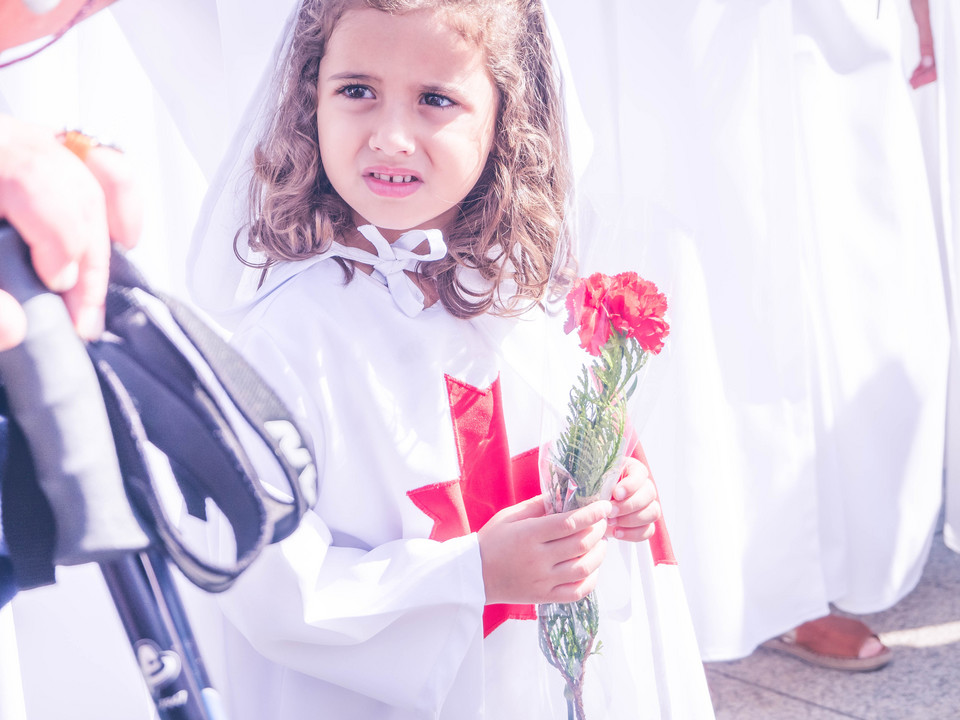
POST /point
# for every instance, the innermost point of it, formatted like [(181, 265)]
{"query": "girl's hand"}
[(636, 505), (531, 557)]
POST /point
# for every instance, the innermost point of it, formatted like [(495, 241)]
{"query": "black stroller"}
[(79, 428)]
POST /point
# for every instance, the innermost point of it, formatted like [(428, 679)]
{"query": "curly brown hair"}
[(510, 228)]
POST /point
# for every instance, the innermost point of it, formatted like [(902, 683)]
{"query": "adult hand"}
[(20, 24), (636, 504), (531, 557), (13, 324), (66, 210)]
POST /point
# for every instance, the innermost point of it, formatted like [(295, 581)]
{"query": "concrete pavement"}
[(921, 683)]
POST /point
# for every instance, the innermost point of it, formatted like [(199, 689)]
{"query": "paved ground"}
[(922, 682)]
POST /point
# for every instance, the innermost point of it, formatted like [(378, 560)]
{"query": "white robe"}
[(761, 162), (359, 613), (942, 115)]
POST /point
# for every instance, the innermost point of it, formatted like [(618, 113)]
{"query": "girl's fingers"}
[(564, 525), (634, 476), (576, 545), (580, 567), (634, 491), (639, 533), (532, 508), (650, 513), (579, 576), (636, 505), (572, 592)]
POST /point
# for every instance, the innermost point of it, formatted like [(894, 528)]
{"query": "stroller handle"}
[(55, 396)]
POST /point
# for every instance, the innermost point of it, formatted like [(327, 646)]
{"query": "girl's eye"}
[(356, 92), (435, 100)]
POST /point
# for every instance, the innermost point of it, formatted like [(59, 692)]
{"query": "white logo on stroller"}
[(159, 667), (291, 445)]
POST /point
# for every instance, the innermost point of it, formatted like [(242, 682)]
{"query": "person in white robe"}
[(362, 612), (762, 160)]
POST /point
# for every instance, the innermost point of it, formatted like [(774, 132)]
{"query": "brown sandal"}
[(832, 642)]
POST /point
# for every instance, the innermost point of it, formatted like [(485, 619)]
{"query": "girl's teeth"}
[(394, 178)]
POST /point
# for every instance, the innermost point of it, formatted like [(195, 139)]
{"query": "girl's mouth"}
[(393, 178), (392, 185)]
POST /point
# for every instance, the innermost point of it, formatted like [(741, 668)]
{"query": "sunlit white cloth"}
[(761, 161), (945, 166)]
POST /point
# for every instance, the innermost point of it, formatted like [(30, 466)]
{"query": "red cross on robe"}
[(490, 479)]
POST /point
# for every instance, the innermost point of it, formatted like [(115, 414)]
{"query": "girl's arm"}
[(394, 622)]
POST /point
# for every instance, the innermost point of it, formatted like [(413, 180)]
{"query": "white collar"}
[(391, 260)]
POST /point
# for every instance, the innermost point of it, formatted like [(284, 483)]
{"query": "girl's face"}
[(406, 113)]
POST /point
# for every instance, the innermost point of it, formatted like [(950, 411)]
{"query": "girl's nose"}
[(392, 132)]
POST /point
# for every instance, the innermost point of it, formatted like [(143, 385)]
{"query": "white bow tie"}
[(390, 262)]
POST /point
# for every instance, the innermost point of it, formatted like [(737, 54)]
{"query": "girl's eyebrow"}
[(359, 77), (440, 89)]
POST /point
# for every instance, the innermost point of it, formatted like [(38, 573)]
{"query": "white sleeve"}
[(394, 623)]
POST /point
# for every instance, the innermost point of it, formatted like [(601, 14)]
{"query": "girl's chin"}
[(392, 228)]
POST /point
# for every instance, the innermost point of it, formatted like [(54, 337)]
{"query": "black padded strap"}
[(261, 409), (171, 381), (28, 527)]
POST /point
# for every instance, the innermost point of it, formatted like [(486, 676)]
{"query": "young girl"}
[(409, 198)]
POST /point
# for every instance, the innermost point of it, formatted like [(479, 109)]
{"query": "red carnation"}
[(586, 312), (625, 303), (636, 309)]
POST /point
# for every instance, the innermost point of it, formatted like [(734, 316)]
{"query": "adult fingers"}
[(59, 209), (124, 201), (124, 218), (85, 300), (13, 323)]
